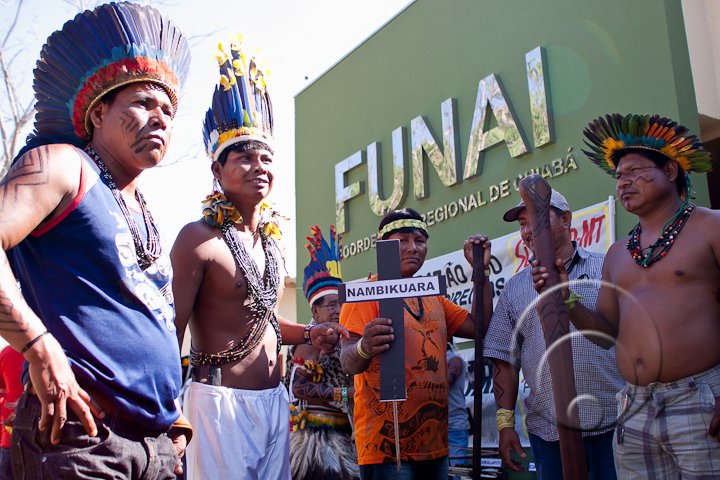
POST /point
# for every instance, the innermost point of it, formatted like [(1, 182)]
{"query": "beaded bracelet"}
[(337, 395), (504, 418), (360, 351), (32, 342), (306, 333), (344, 394), (572, 300)]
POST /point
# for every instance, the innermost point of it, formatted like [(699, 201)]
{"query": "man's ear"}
[(567, 218), (97, 114), (216, 170), (671, 170)]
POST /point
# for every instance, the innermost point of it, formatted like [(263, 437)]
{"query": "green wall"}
[(601, 57)]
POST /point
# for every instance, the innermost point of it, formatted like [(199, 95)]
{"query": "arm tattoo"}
[(7, 323), (30, 170), (305, 389), (501, 395)]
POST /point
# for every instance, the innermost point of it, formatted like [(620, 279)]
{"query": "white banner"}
[(593, 228)]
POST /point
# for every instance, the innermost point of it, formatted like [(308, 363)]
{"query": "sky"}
[(295, 40)]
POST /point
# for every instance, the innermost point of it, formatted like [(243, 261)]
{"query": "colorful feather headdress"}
[(241, 108), (611, 136), (322, 275), (98, 51)]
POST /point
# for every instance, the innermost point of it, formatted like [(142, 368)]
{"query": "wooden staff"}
[(478, 279), (555, 320)]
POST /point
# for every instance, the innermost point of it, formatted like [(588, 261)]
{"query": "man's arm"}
[(505, 388), (304, 388), (713, 218), (376, 338), (454, 369), (324, 337), (188, 272), (602, 323), (35, 191)]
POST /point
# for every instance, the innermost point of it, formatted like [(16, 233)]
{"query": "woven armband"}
[(337, 394), (505, 418), (306, 333), (572, 300)]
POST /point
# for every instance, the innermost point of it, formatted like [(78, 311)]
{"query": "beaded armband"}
[(572, 300), (306, 333)]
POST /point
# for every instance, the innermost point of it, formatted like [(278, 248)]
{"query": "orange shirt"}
[(423, 417)]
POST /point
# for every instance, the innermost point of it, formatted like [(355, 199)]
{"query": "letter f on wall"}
[(344, 193)]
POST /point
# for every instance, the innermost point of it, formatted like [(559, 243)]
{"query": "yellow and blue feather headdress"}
[(241, 108)]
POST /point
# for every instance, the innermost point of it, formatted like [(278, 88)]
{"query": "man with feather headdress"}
[(227, 284), (659, 301), (94, 316)]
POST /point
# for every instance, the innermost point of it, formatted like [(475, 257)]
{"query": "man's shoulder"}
[(591, 257), (197, 231), (705, 215), (519, 280), (194, 239), (45, 157)]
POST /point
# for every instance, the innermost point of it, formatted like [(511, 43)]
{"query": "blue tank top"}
[(114, 321)]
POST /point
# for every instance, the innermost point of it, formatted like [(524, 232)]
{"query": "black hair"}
[(240, 147), (402, 214), (109, 97), (658, 159)]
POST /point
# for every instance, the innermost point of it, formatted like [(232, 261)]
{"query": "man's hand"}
[(179, 440), (714, 430), (377, 336), (54, 383), (479, 240), (510, 441), (540, 274), (325, 336)]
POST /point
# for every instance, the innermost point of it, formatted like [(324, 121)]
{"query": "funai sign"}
[(444, 157)]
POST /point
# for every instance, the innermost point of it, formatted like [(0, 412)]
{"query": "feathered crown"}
[(322, 275), (98, 51), (241, 108), (613, 135)]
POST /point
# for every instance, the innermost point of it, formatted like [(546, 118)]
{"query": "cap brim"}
[(512, 214)]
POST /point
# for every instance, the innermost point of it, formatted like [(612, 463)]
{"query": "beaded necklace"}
[(262, 293), (671, 229), (146, 255)]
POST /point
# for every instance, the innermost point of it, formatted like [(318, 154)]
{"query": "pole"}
[(555, 320), (478, 279)]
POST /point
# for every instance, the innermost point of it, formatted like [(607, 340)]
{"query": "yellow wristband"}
[(505, 418), (360, 351)]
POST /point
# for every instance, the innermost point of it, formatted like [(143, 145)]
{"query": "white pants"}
[(237, 434)]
